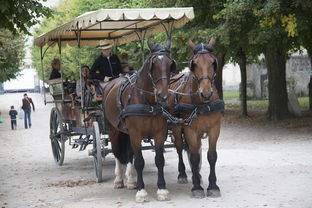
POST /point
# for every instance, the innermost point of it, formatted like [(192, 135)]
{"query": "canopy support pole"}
[(42, 70), (141, 38), (59, 43), (168, 29), (78, 34), (43, 88)]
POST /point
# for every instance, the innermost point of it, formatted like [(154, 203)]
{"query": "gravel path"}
[(258, 166)]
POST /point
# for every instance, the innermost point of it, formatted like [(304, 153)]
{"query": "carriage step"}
[(82, 130)]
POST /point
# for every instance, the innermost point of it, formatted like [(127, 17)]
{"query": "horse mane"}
[(202, 48)]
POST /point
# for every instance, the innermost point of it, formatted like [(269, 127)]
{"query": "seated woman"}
[(56, 67)]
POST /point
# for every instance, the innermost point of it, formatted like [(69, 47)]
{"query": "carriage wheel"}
[(57, 137), (97, 152)]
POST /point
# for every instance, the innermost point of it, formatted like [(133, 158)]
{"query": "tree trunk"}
[(310, 92), (310, 83), (219, 78), (243, 86), (275, 60)]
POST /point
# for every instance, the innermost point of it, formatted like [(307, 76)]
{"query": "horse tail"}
[(124, 153)]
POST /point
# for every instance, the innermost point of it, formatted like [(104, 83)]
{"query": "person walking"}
[(13, 114), (27, 110)]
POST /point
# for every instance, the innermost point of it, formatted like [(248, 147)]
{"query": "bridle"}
[(203, 49), (156, 80)]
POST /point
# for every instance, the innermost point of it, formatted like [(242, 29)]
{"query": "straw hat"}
[(104, 44)]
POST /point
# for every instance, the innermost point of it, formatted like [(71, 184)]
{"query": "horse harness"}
[(143, 109)]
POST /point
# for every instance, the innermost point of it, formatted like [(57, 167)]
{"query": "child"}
[(13, 114)]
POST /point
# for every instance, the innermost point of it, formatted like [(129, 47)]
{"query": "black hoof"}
[(213, 193), (182, 180), (198, 194)]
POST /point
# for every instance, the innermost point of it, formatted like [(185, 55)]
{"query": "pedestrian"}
[(27, 110), (1, 118), (13, 114)]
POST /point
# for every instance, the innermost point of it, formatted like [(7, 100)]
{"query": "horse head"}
[(204, 67), (161, 65)]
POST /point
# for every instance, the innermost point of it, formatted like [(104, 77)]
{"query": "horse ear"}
[(168, 44), (150, 44), (173, 67), (192, 66), (212, 42), (191, 44)]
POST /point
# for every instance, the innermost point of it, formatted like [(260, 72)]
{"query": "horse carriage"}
[(144, 105), (121, 26)]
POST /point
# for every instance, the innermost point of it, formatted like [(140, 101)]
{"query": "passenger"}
[(106, 66), (85, 70), (126, 69), (56, 67)]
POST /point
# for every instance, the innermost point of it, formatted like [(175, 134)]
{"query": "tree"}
[(200, 30), (303, 11), (11, 54), (272, 29), (19, 15)]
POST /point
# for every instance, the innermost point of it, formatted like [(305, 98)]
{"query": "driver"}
[(107, 66)]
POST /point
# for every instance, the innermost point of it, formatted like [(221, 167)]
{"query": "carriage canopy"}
[(120, 25)]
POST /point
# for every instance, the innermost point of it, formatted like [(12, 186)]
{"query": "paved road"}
[(258, 166)]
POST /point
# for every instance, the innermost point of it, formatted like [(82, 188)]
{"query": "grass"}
[(231, 99)]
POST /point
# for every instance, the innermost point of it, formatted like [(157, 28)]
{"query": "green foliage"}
[(11, 54), (68, 10), (19, 15)]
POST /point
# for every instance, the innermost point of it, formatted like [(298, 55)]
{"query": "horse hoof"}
[(198, 194), (213, 193), (131, 185), (182, 180), (163, 195), (141, 196), (118, 184)]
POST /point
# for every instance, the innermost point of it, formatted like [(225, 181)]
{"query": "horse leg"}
[(113, 135), (131, 183), (182, 177), (162, 192), (213, 190), (135, 138), (118, 182), (141, 195), (194, 142)]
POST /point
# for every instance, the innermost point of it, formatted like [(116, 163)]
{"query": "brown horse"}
[(133, 108), (197, 102)]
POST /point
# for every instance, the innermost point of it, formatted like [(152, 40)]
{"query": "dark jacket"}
[(55, 74), (101, 67), (13, 114), (26, 104)]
